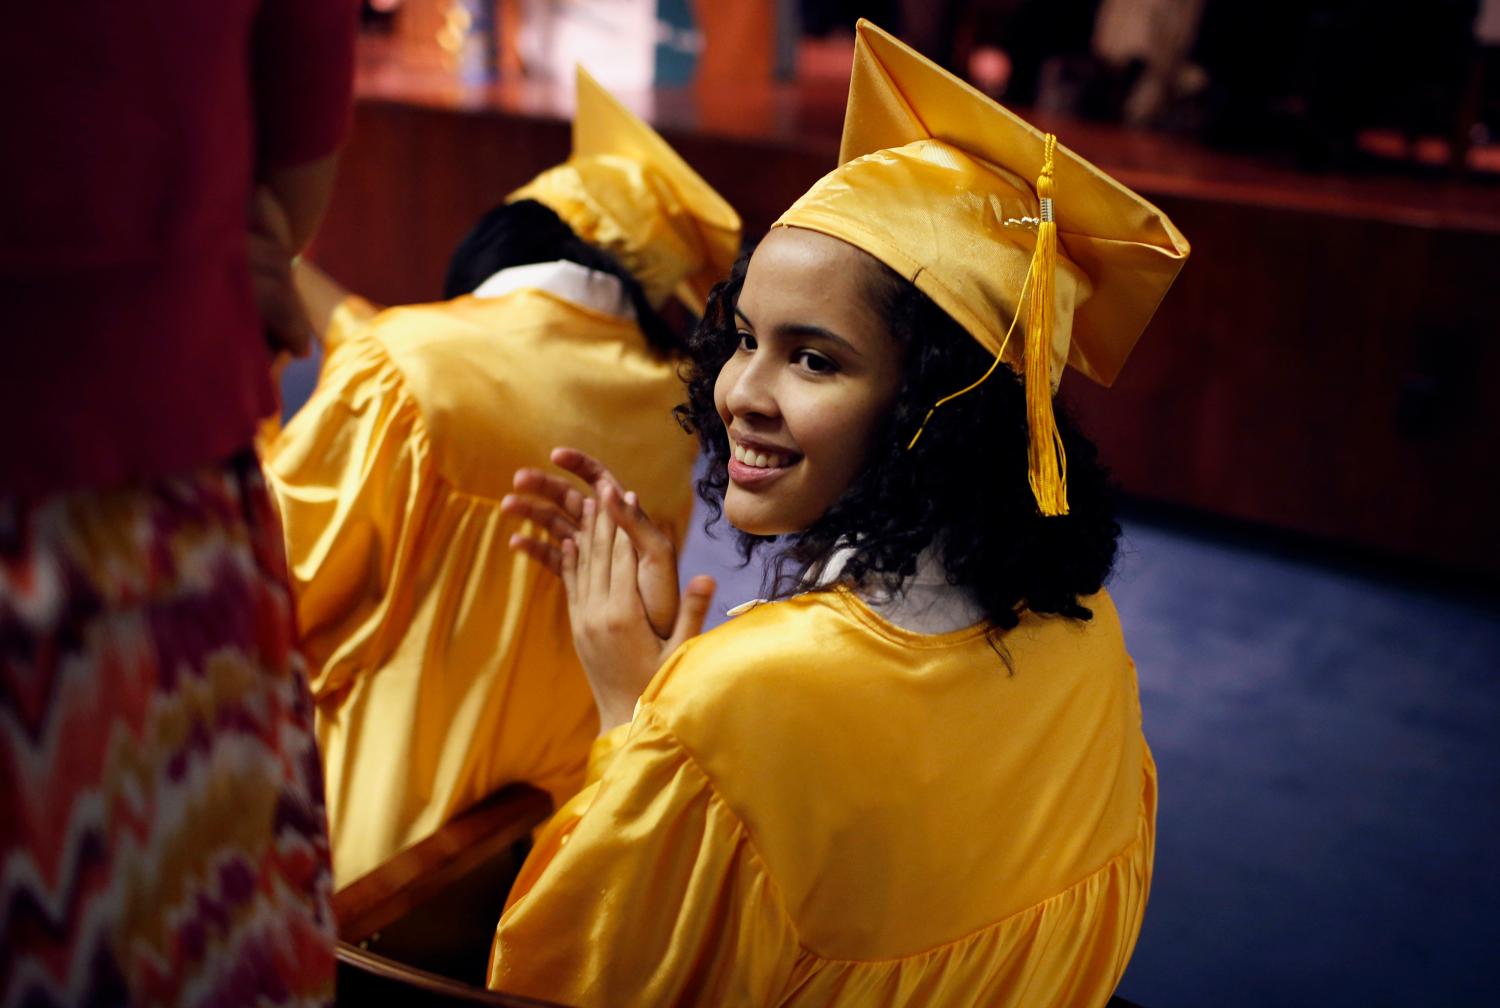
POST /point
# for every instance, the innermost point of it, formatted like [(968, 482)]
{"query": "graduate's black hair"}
[(964, 485), (523, 232)]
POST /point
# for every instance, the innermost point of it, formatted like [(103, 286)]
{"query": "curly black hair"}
[(963, 486), (526, 231)]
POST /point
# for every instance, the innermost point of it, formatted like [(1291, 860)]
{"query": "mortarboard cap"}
[(933, 182), (626, 191)]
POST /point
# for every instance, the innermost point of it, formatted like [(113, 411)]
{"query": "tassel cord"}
[(1046, 462)]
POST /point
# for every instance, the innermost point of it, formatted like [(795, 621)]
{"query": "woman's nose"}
[(752, 389)]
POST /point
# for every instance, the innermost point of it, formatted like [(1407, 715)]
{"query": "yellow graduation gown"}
[(441, 661), (815, 807)]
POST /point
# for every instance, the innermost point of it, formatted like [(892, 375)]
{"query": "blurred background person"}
[(161, 806), (442, 662)]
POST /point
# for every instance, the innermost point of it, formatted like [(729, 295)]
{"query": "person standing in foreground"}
[(442, 665), (919, 777), (162, 834)]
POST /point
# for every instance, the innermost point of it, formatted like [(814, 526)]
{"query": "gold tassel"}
[(1047, 467), (1047, 464)]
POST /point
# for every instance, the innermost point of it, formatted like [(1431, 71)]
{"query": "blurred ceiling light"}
[(989, 69)]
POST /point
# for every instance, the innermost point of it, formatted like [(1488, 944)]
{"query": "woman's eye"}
[(815, 362), (747, 341)]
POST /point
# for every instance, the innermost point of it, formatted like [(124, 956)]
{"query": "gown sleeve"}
[(347, 475), (555, 832), (651, 892)]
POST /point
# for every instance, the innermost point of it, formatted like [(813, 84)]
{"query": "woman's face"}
[(815, 373)]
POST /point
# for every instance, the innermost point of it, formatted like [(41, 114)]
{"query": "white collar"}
[(591, 289), (925, 603)]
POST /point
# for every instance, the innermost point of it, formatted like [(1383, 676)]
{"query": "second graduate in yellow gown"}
[(441, 662)]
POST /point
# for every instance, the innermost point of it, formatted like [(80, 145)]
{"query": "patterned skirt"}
[(161, 804)]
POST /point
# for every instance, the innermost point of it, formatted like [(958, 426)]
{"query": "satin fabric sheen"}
[(441, 661), (813, 806)]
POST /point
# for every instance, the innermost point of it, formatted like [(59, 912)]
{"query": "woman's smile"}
[(754, 463)]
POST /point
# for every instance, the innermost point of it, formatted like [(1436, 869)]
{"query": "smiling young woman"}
[(813, 373), (917, 776), (886, 509)]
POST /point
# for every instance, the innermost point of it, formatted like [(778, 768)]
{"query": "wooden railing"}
[(416, 930), (431, 867)]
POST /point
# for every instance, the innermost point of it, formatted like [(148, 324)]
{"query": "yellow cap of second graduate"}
[(933, 181), (626, 191)]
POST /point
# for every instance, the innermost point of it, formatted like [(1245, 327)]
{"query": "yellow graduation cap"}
[(626, 191), (933, 182)]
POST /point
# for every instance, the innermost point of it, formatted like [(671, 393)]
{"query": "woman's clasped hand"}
[(619, 571)]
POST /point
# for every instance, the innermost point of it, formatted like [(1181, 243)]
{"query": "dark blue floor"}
[(1328, 746)]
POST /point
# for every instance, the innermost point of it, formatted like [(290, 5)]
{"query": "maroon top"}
[(133, 127)]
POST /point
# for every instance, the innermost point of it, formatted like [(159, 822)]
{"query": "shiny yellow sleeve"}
[(656, 896), (558, 829), (603, 752), (347, 474)]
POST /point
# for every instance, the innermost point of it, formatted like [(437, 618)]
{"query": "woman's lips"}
[(753, 476), (751, 468)]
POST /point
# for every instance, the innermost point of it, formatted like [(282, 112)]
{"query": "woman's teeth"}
[(760, 460)]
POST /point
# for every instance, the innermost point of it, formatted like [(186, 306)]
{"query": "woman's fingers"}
[(541, 512), (562, 493), (577, 565), (627, 513), (649, 541), (657, 560), (544, 553), (542, 488), (568, 563), (624, 603), (600, 549), (585, 467), (696, 599)]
